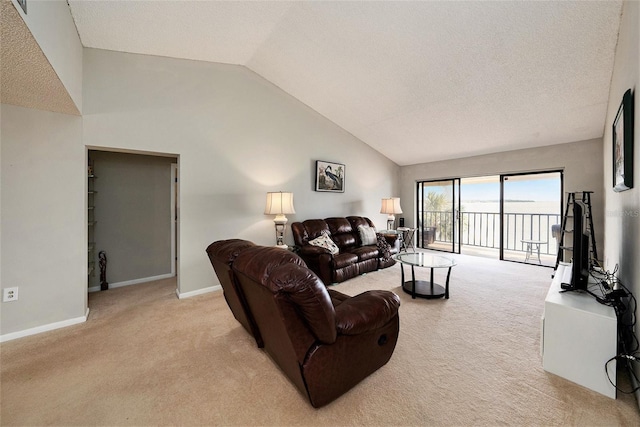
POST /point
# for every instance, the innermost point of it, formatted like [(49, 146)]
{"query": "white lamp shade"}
[(279, 203), (391, 206)]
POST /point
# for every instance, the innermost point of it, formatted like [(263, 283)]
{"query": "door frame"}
[(457, 222), (504, 177), (175, 207), (455, 213), (174, 217)]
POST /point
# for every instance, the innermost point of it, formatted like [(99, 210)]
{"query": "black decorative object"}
[(623, 144), (102, 256)]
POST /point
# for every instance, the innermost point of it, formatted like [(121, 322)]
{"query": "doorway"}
[(134, 216), (480, 216)]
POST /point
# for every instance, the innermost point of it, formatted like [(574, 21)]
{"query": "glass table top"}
[(421, 259)]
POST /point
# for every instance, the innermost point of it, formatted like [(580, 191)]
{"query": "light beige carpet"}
[(147, 358)]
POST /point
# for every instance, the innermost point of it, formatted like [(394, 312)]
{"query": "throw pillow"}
[(384, 248), (324, 241), (367, 235)]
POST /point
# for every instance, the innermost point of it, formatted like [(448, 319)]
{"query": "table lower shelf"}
[(424, 289)]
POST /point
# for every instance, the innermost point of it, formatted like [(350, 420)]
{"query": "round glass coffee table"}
[(422, 288)]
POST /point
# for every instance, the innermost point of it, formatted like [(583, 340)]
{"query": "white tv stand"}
[(579, 335)]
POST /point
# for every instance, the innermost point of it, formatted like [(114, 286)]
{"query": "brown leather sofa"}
[(324, 341), (353, 258), (222, 254)]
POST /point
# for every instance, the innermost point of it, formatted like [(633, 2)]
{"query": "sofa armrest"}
[(337, 298), (390, 238), (365, 312), (310, 250)]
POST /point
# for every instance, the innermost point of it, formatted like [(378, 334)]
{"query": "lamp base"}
[(391, 221), (280, 223)]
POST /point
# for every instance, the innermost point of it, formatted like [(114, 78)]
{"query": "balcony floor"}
[(509, 255)]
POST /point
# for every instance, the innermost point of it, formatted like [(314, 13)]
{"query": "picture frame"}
[(330, 176), (23, 5), (623, 144)]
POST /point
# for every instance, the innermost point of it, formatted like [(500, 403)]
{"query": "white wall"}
[(43, 218), (580, 161), (238, 136), (52, 26), (622, 220)]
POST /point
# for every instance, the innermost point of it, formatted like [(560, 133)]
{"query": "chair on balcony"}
[(428, 236)]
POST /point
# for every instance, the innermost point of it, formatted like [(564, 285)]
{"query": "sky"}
[(531, 189)]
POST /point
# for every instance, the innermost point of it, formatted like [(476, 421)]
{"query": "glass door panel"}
[(439, 215), (480, 212), (530, 204)]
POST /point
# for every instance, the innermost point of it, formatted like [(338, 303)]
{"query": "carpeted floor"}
[(147, 358)]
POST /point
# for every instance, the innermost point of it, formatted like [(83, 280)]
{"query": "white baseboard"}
[(182, 295), (44, 328), (82, 319), (133, 282)]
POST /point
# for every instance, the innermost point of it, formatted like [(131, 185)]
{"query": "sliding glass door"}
[(439, 215), (531, 206), (514, 217)]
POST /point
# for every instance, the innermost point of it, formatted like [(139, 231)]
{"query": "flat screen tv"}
[(581, 259)]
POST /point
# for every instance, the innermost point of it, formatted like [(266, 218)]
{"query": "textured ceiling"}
[(418, 81), (27, 79)]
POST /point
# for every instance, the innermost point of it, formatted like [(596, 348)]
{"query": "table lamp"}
[(391, 207), (279, 203)]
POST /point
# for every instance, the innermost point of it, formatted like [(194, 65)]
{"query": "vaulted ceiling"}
[(418, 81), (27, 79)]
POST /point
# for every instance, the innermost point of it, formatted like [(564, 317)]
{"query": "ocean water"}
[(483, 228)]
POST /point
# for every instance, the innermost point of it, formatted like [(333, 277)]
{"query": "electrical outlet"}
[(10, 294)]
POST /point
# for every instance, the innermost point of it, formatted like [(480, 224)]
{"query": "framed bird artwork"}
[(329, 176)]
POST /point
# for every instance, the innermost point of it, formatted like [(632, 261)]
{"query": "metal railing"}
[(482, 229)]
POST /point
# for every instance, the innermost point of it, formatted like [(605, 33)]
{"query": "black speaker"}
[(401, 222)]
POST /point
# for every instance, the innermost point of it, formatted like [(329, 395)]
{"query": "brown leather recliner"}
[(353, 259), (324, 341), (222, 254)]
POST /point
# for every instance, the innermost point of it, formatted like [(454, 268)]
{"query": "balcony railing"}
[(482, 229)]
